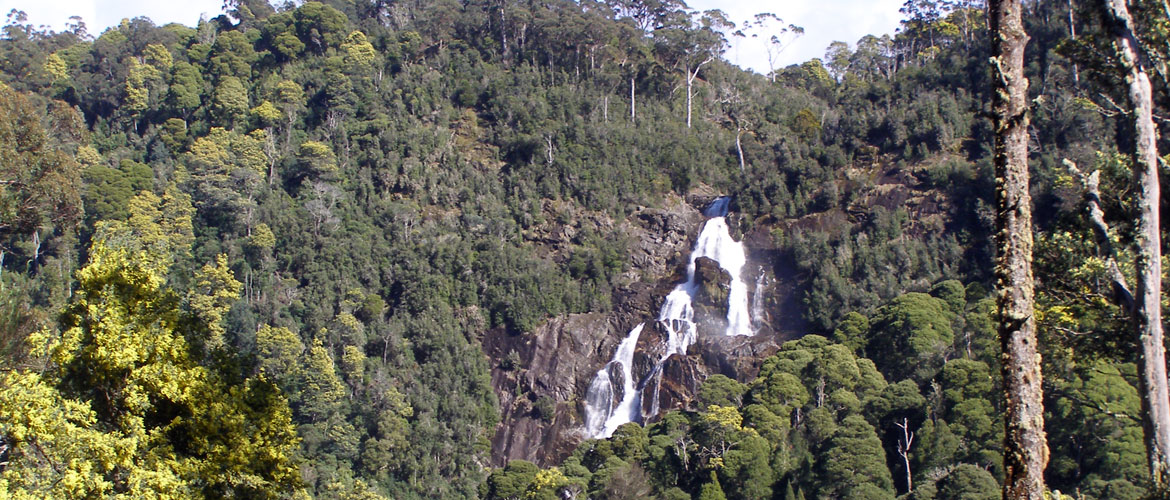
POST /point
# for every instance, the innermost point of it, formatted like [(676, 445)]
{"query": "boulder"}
[(712, 286)]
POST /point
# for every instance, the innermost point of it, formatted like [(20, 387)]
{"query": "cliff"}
[(541, 377)]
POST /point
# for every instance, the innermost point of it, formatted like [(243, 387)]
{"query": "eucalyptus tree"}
[(1147, 310), (1025, 445), (690, 41)]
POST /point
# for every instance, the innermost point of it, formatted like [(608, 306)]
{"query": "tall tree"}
[(1025, 445), (1147, 313), (690, 43), (39, 183)]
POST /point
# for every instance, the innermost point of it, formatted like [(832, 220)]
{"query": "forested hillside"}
[(271, 255)]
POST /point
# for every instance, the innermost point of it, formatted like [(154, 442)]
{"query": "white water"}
[(676, 318), (758, 298), (600, 393), (715, 243)]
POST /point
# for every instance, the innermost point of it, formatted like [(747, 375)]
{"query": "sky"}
[(824, 21)]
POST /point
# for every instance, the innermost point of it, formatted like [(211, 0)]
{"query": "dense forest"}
[(258, 257)]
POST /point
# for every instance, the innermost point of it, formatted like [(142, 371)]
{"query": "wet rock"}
[(554, 365), (660, 239), (557, 361), (652, 346), (712, 286), (681, 378), (735, 357)]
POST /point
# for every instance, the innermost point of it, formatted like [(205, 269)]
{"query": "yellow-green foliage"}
[(724, 416), (318, 158), (87, 156), (157, 56), (215, 290), (126, 409), (55, 67), (546, 481), (231, 98), (358, 50), (267, 112)]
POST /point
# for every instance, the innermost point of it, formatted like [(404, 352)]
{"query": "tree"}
[(39, 184), (1147, 310), (1025, 446), (837, 59), (763, 26), (967, 482), (689, 44), (911, 335), (230, 99), (359, 53), (718, 389), (711, 490), (227, 170), (854, 462), (128, 408)]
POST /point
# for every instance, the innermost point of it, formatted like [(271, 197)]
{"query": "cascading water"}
[(676, 316), (601, 416), (758, 297)]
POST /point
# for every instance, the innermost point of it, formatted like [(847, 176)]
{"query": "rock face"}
[(710, 301), (735, 357), (551, 365), (541, 377)]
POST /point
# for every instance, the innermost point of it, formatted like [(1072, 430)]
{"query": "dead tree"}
[(1147, 311)]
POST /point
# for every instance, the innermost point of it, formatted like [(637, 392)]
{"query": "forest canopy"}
[(259, 256)]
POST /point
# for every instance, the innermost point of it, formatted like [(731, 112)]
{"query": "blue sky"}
[(824, 21)]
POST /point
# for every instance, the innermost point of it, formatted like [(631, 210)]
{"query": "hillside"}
[(399, 242)]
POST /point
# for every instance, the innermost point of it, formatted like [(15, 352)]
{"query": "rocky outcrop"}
[(541, 377), (713, 285), (660, 239), (543, 374)]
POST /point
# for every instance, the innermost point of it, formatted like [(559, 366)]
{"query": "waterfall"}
[(676, 318), (758, 298), (601, 416), (715, 243)]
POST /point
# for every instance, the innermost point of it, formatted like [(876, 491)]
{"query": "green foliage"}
[(128, 408), (720, 390), (230, 99), (385, 185), (41, 179), (852, 331), (854, 463), (967, 481), (911, 335), (712, 490)]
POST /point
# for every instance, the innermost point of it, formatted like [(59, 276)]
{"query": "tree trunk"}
[(691, 77), (690, 81), (1147, 314), (1072, 34), (1092, 193), (904, 445), (633, 116), (1025, 447), (739, 147)]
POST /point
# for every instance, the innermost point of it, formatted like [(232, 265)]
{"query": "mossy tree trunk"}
[(1025, 446)]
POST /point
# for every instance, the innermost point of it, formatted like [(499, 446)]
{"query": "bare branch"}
[(1091, 188)]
